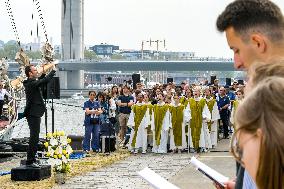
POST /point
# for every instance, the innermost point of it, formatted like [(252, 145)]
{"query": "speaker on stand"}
[(51, 91), (241, 82), (228, 81), (170, 80), (212, 78), (135, 80)]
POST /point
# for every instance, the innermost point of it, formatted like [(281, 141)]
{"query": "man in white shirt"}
[(3, 92)]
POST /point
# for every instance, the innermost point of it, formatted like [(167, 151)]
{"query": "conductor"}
[(34, 109)]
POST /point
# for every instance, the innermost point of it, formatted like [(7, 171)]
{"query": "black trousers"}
[(34, 125), (225, 121), (1, 107)]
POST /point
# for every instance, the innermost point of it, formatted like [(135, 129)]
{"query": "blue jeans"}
[(93, 130)]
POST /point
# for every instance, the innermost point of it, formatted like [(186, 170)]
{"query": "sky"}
[(186, 25)]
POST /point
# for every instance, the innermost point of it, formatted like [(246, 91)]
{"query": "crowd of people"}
[(187, 114), (167, 117)]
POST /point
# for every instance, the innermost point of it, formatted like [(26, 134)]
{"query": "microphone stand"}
[(52, 112), (44, 91), (45, 118)]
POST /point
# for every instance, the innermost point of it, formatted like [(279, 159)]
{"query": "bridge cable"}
[(40, 15), (12, 21)]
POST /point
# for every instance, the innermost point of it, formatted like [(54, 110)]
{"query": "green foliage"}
[(10, 50), (117, 57), (90, 54), (34, 54)]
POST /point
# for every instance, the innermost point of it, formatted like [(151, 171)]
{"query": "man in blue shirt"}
[(223, 103), (92, 123)]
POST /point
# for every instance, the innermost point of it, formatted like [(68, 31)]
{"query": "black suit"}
[(34, 109)]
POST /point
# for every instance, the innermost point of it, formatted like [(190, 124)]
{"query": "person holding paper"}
[(257, 143), (265, 45), (138, 121)]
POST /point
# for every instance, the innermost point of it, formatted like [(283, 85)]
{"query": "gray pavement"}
[(174, 167)]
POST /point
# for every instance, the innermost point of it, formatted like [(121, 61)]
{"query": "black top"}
[(125, 99), (34, 102), (240, 178)]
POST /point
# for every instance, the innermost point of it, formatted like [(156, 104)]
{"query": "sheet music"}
[(209, 171), (156, 180)]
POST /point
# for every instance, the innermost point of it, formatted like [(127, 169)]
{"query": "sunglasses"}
[(92, 94)]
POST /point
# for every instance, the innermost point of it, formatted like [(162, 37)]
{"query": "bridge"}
[(142, 65), (147, 65), (71, 72)]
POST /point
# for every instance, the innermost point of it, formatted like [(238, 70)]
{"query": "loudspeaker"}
[(107, 143), (228, 81), (241, 82), (170, 80), (135, 80), (76, 141), (107, 129), (53, 89), (212, 78)]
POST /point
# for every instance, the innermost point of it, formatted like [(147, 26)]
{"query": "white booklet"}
[(156, 180), (209, 172)]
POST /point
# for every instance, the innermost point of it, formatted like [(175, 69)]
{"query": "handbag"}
[(94, 121)]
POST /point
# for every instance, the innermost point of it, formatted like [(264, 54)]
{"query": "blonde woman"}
[(258, 141)]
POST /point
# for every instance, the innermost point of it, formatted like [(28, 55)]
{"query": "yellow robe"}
[(177, 118)]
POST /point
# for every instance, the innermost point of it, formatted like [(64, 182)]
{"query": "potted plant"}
[(58, 151)]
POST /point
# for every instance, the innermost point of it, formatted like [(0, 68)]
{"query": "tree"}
[(10, 50), (90, 54), (2, 53), (34, 54), (116, 57)]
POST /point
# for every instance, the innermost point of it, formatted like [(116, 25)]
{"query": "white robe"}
[(162, 148), (214, 126), (141, 139), (205, 140), (189, 139), (186, 118)]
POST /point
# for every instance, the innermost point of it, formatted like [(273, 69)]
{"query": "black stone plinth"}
[(24, 173)]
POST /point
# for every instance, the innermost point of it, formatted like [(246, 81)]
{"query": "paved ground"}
[(223, 162), (6, 164), (174, 167)]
